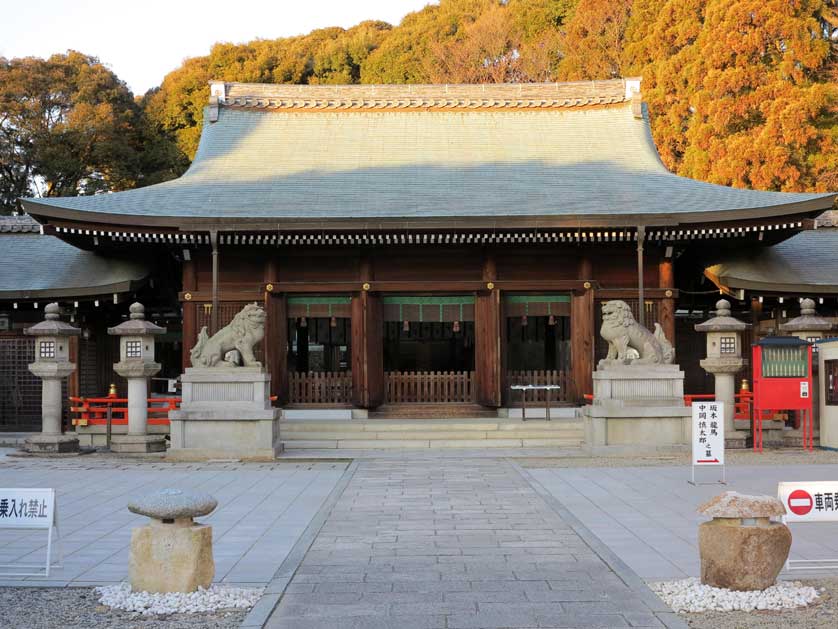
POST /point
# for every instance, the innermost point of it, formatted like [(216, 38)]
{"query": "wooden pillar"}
[(488, 338), (666, 314), (190, 313), (582, 335), (276, 334), (367, 351), (367, 343)]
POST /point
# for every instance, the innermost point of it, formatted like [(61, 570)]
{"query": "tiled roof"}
[(806, 263), (19, 224), (517, 96), (484, 166), (35, 266)]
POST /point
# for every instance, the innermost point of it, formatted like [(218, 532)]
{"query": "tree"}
[(69, 126), (592, 42)]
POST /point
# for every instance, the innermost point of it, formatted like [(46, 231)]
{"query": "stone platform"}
[(225, 413), (636, 409)]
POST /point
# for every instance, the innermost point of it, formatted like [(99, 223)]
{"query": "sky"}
[(142, 41)]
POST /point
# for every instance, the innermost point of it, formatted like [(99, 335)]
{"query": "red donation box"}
[(782, 367)]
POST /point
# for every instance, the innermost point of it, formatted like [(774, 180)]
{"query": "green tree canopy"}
[(69, 126)]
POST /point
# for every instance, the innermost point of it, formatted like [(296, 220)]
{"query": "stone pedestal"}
[(636, 409), (172, 553), (137, 440), (741, 548), (724, 370), (225, 412), (51, 440)]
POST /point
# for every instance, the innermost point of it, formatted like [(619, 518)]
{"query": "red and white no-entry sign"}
[(800, 502), (809, 501)]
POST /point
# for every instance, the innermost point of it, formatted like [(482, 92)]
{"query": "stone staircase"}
[(396, 433)]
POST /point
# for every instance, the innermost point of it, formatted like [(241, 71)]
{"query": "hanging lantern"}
[(551, 320), (333, 322), (456, 326), (406, 326), (303, 322), (524, 321)]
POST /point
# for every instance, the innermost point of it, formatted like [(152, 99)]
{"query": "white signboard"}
[(27, 508), (708, 433), (809, 501), (30, 509)]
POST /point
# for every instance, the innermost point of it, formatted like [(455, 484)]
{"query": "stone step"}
[(386, 444), (432, 411), (427, 426), (435, 435)]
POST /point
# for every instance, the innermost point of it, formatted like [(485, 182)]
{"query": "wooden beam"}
[(666, 307), (487, 338), (582, 344), (367, 351), (413, 287), (190, 312), (276, 334), (631, 293)]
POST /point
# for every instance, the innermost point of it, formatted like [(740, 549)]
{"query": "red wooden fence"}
[(417, 387), (543, 376), (320, 387)]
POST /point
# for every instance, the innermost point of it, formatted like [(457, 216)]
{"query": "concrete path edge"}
[(660, 609), (264, 607)]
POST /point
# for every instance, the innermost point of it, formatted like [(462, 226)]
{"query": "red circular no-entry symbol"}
[(800, 502)]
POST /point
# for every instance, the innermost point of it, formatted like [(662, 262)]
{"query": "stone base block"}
[(138, 444), (94, 435), (52, 444), (173, 557), (637, 430), (742, 557), (196, 436)]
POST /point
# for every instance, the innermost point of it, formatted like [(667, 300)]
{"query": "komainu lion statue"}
[(245, 330), (628, 342)]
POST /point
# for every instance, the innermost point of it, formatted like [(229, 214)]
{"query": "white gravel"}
[(215, 598), (690, 595)]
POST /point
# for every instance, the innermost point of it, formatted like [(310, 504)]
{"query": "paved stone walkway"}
[(263, 509), (441, 543), (647, 515)]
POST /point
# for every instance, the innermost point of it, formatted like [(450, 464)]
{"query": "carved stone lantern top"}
[(723, 321), (808, 321), (136, 324), (52, 325)]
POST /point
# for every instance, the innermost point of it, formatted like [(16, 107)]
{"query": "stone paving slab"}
[(263, 509), (647, 515), (438, 542)]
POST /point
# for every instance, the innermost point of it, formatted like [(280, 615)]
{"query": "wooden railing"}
[(543, 376), (418, 387), (320, 387), (93, 411)]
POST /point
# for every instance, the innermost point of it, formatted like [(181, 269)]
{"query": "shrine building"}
[(428, 244)]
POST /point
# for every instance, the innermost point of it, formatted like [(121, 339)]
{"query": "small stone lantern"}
[(52, 364), (741, 548), (724, 360), (808, 326), (136, 364), (172, 553)]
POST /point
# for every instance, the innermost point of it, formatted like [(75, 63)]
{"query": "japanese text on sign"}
[(810, 501), (708, 433), (27, 508)]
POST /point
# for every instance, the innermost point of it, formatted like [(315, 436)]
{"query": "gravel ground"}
[(784, 456), (78, 608), (823, 613)]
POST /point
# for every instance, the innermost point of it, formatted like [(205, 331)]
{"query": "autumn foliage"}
[(739, 92)]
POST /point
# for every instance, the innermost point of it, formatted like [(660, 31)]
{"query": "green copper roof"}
[(806, 263), (553, 166), (38, 267)]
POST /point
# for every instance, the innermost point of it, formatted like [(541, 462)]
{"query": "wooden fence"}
[(548, 376), (320, 387), (440, 387)]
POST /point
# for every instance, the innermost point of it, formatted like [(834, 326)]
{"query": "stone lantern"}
[(724, 360), (809, 327), (136, 364), (52, 364)]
